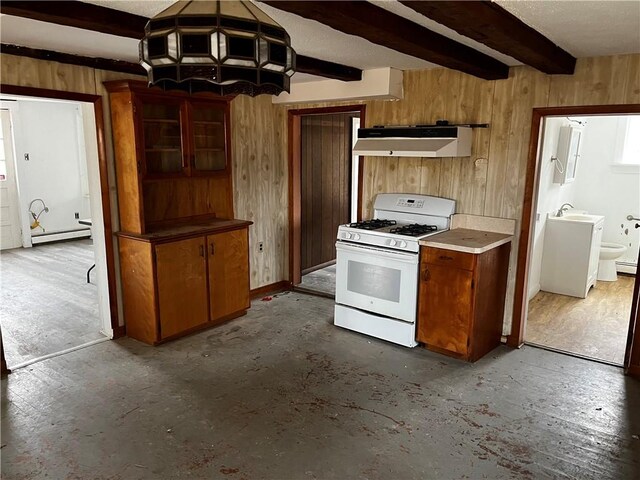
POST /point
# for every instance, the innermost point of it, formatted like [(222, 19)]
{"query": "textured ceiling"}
[(49, 36), (583, 28)]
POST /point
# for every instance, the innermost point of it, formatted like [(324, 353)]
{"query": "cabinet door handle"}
[(212, 248), (201, 248), (444, 257)]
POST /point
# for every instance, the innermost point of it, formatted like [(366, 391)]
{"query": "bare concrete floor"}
[(46, 303), (321, 281), (283, 394)]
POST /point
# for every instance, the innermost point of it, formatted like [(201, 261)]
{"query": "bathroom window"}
[(626, 158), (631, 148)]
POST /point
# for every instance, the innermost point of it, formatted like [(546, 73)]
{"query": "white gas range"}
[(378, 261)]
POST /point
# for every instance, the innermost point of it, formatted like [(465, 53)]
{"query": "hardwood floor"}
[(595, 327), (47, 306)]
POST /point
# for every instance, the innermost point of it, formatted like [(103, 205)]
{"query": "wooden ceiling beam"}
[(384, 28), (78, 14), (323, 68), (122, 24), (492, 25), (71, 59)]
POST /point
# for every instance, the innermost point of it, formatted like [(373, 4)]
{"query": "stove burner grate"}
[(413, 230), (373, 224)]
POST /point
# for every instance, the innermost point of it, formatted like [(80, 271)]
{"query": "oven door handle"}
[(380, 252)]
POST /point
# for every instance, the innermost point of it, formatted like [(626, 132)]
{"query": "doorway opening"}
[(579, 252), (326, 184), (55, 287), (585, 245)]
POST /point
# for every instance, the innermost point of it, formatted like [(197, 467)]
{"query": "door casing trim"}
[(295, 167), (516, 337)]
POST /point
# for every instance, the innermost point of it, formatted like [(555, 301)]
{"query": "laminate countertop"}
[(467, 240)]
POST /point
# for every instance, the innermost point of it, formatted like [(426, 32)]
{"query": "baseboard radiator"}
[(626, 267), (61, 235)]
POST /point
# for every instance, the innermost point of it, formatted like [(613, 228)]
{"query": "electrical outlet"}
[(77, 215), (261, 247)]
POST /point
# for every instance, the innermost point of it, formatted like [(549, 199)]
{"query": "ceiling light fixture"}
[(225, 47)]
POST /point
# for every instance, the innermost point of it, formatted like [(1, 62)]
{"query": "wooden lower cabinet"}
[(181, 270), (175, 286), (228, 273), (461, 300)]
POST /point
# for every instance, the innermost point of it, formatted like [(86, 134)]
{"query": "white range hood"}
[(418, 141)]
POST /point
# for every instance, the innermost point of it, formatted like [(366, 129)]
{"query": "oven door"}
[(377, 280)]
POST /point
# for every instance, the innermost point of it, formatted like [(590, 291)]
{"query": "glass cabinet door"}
[(209, 139), (162, 129)]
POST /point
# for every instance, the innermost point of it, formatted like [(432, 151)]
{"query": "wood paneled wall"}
[(491, 182), (258, 140)]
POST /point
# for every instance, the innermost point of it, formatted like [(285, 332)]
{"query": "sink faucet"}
[(563, 209)]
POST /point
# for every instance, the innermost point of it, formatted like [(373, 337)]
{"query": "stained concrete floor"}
[(283, 394), (47, 304)]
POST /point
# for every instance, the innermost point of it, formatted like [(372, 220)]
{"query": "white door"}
[(10, 235)]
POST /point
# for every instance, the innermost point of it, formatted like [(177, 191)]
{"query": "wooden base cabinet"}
[(181, 272), (172, 287), (228, 284), (461, 300)]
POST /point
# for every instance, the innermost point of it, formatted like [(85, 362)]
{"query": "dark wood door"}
[(445, 307), (325, 185), (182, 285), (228, 272)]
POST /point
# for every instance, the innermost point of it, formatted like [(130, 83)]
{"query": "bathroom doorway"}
[(585, 236)]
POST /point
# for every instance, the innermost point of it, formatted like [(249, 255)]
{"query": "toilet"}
[(609, 252)]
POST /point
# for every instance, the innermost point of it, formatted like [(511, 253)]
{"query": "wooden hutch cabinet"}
[(184, 259)]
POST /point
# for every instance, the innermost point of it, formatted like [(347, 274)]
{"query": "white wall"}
[(599, 188), (604, 189), (52, 134)]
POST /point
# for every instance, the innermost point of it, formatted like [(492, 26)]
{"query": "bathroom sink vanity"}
[(571, 253)]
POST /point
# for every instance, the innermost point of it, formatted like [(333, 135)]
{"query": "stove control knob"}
[(392, 243), (403, 244), (347, 235), (356, 236)]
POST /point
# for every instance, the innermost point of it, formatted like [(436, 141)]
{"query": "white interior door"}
[(10, 234)]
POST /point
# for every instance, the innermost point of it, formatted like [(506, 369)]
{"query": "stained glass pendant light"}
[(226, 47)]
